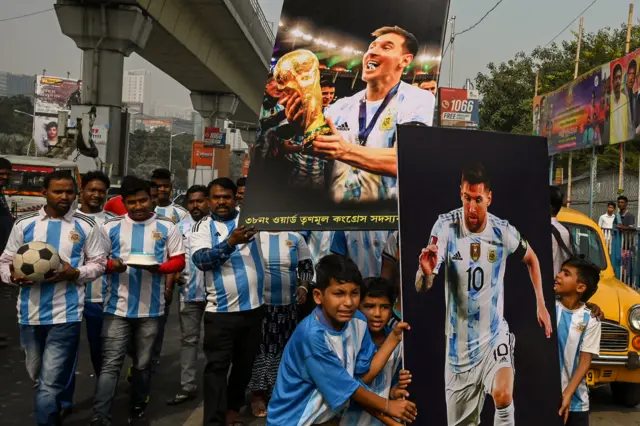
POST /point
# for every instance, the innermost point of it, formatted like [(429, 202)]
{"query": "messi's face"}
[(476, 200), (386, 57)]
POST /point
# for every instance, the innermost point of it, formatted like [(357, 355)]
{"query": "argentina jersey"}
[(173, 211), (319, 243), (194, 289), (363, 247), (577, 332), (237, 284), (304, 393), (381, 386), (410, 104), (137, 293), (76, 237), (94, 291), (281, 252), (474, 273)]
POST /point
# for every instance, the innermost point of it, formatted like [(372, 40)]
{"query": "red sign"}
[(459, 108), (201, 155), (214, 137)]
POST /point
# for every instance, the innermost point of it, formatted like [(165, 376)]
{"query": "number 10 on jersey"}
[(476, 278)]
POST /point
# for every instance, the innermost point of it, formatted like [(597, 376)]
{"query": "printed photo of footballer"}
[(475, 250), (339, 85)]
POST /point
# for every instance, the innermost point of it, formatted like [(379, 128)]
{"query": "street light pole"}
[(171, 145)]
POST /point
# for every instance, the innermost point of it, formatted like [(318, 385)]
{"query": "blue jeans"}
[(117, 334), (93, 315), (50, 356)]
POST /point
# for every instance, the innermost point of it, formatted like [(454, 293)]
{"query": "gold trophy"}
[(299, 72)]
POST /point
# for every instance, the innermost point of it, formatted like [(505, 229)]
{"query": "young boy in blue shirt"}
[(331, 354), (376, 304), (578, 336)]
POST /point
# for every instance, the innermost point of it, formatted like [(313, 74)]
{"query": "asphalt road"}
[(16, 393)]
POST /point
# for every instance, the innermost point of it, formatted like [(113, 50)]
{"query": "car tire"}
[(627, 394)]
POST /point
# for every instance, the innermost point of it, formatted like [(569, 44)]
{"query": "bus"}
[(24, 189)]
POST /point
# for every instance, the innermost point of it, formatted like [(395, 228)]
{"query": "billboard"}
[(476, 274), (340, 83), (459, 108), (214, 137), (201, 155), (55, 93)]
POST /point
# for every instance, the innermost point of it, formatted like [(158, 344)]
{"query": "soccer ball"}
[(35, 261)]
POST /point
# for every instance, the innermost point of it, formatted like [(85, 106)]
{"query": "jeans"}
[(230, 338), (157, 344), (117, 333), (190, 325), (50, 356), (93, 315)]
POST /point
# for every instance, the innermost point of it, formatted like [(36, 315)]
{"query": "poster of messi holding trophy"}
[(343, 75)]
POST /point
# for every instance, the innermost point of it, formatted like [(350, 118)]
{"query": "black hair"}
[(410, 41), (475, 173), (622, 197), (197, 188), (617, 68), (58, 175), (225, 183), (51, 125), (241, 182), (339, 268), (633, 65), (133, 185), (378, 287), (612, 204), (161, 174), (588, 274), (327, 82), (95, 175), (5, 164), (556, 199)]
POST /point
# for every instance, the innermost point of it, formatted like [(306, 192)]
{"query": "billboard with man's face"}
[(343, 76)]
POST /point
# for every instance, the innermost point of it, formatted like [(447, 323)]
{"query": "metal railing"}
[(624, 253), (263, 20)]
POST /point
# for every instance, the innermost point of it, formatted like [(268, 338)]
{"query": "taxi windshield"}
[(26, 181), (586, 241)]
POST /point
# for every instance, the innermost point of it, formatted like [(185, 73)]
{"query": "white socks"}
[(504, 416)]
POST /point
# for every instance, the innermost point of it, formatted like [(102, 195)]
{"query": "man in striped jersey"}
[(163, 179), (319, 243), (192, 298), (578, 336), (473, 245), (134, 301), (363, 247), (92, 196), (50, 312), (229, 254)]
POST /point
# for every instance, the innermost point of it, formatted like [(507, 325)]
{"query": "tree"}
[(507, 89)]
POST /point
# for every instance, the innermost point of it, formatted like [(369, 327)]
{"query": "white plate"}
[(142, 259)]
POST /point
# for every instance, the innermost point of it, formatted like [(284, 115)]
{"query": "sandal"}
[(258, 408)]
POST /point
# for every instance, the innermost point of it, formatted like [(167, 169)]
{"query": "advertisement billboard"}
[(214, 137), (459, 108), (55, 93), (340, 83), (201, 155)]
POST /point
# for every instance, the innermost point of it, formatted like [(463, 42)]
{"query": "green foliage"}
[(507, 89), (150, 150)]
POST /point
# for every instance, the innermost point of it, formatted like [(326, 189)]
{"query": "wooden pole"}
[(621, 148), (575, 75)]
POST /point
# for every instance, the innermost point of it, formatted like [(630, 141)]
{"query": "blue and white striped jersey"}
[(281, 252), (577, 332), (319, 243), (316, 378), (381, 386), (363, 247), (237, 284), (76, 237), (173, 211), (137, 293), (194, 288), (474, 265), (410, 104), (308, 171), (96, 290)]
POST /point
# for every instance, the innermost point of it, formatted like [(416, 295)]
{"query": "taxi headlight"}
[(634, 318)]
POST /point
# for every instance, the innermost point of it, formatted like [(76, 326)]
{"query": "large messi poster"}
[(343, 75), (477, 278)]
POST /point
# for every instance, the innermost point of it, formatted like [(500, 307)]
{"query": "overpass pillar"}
[(214, 107), (106, 33)]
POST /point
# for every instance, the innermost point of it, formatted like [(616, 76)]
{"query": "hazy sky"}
[(30, 44)]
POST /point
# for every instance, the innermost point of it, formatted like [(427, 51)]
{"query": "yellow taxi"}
[(618, 363)]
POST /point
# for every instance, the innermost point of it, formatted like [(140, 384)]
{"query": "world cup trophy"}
[(299, 72)]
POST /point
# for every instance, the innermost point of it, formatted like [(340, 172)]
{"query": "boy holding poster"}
[(317, 375), (578, 336)]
